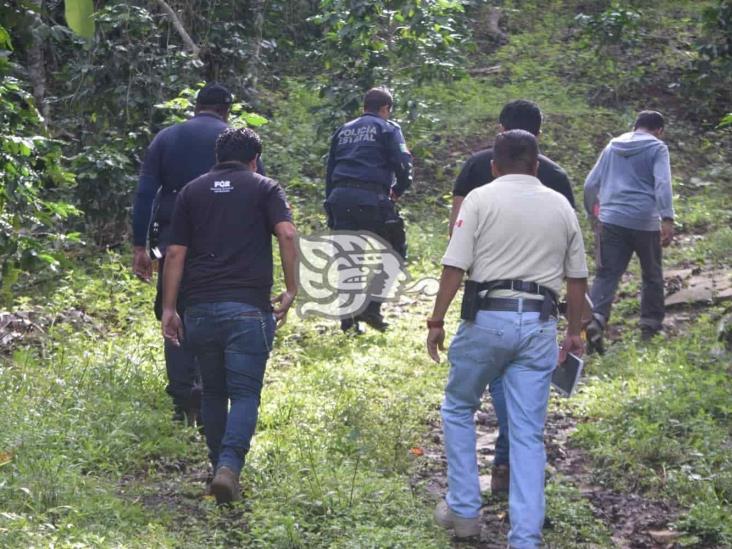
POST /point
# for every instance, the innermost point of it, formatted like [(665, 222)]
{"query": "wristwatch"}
[(435, 323)]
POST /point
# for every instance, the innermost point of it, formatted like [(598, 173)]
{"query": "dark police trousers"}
[(358, 209), (617, 245), (184, 377)]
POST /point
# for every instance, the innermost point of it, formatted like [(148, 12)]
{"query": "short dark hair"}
[(649, 120), (516, 151), (214, 94), (521, 115), (376, 98), (239, 145)]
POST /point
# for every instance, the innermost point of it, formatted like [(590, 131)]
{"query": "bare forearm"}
[(450, 282), (576, 289), (172, 275), (287, 236), (288, 253)]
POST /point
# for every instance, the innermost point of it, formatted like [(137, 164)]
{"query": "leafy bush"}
[(393, 42), (33, 184), (709, 79)]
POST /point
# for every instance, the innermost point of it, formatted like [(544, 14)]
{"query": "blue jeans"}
[(498, 397), (232, 342), (523, 350)]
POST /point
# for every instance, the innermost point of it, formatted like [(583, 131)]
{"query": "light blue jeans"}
[(523, 350)]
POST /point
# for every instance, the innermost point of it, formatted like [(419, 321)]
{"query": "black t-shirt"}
[(226, 219), (477, 172)]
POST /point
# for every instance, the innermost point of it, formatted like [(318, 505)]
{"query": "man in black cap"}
[(177, 155)]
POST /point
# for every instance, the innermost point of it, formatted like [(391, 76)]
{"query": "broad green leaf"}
[(79, 17)]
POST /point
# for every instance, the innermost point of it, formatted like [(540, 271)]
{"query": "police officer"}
[(369, 168), (518, 241), (177, 155)]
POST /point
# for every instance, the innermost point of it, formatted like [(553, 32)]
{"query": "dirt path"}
[(629, 517)]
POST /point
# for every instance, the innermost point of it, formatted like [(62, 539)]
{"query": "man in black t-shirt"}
[(220, 257), (516, 115)]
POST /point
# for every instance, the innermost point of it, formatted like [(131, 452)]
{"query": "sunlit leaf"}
[(79, 17)]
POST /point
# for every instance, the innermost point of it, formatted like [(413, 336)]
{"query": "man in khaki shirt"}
[(517, 240)]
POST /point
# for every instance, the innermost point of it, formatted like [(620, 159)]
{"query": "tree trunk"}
[(494, 19), (257, 17), (36, 60)]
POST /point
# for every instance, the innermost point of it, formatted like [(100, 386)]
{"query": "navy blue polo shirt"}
[(178, 154), (226, 219), (369, 149)]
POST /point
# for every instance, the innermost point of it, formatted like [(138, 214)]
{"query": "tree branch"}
[(37, 62), (187, 40)]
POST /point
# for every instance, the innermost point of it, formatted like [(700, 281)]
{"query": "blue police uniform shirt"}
[(370, 149), (178, 154)]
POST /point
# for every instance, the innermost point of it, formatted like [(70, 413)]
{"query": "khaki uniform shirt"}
[(516, 228)]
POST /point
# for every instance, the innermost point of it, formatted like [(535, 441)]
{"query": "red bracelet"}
[(435, 323)]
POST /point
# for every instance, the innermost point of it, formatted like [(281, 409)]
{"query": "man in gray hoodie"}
[(628, 193)]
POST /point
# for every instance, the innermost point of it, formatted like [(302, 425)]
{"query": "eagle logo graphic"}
[(342, 271)]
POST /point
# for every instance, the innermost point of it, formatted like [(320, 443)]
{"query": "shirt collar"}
[(230, 165), (519, 179), (209, 114)]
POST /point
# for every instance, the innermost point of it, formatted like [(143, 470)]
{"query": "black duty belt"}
[(515, 285), (476, 298), (512, 304), (362, 185)]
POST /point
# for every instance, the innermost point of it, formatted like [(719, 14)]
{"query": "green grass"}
[(660, 419)]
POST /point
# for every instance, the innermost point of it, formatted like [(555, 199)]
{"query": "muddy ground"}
[(635, 522)]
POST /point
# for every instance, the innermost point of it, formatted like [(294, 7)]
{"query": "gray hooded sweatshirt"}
[(632, 183)]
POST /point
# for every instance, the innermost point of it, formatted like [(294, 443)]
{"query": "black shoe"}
[(376, 321), (648, 333), (595, 341), (350, 325)]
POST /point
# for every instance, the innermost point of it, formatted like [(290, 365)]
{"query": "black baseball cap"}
[(214, 94)]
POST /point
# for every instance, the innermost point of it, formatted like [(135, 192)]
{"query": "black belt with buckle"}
[(512, 304)]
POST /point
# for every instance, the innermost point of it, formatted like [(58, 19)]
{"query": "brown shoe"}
[(500, 477), (225, 486)]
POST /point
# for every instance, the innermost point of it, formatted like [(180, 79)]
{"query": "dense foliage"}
[(34, 183)]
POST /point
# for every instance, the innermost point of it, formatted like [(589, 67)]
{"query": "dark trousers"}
[(232, 342), (184, 378), (617, 245), (373, 212)]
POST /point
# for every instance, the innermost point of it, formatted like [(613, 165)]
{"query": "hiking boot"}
[(500, 477), (225, 486), (463, 527), (375, 320), (595, 341)]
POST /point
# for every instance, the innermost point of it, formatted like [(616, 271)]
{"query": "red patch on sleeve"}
[(459, 223)]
